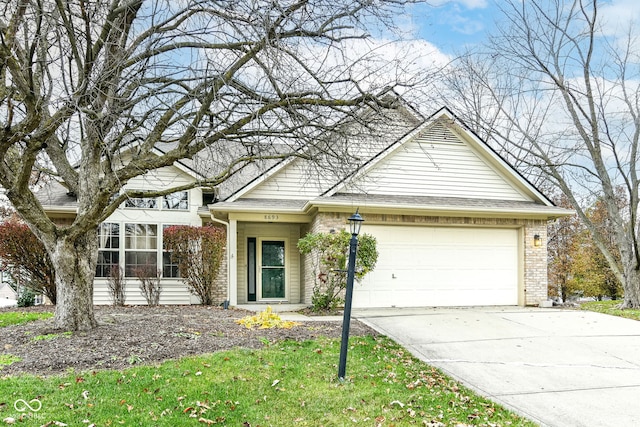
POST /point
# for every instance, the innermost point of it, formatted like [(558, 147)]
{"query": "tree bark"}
[(75, 260), (631, 287)]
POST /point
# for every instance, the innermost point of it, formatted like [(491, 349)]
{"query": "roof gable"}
[(440, 158), (296, 178)]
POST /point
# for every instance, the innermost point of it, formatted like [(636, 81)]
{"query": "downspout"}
[(226, 224)]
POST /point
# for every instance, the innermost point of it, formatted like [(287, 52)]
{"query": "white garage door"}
[(440, 266)]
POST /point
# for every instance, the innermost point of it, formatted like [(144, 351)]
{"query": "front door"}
[(272, 269), (251, 269)]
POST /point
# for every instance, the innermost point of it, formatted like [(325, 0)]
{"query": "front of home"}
[(456, 225)]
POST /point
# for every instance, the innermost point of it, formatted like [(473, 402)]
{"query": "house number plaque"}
[(271, 217)]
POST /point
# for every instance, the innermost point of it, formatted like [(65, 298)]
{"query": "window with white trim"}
[(108, 249), (140, 248), (176, 201), (141, 203), (169, 265)]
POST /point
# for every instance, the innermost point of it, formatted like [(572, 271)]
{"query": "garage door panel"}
[(438, 266)]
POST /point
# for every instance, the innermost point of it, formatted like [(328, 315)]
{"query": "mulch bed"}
[(138, 334)]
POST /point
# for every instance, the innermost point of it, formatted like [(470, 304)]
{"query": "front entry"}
[(266, 269)]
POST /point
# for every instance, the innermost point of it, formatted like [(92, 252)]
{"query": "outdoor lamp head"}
[(537, 240), (355, 222)]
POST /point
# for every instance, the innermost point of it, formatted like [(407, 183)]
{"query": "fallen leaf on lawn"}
[(129, 408), (9, 420), (203, 405), (206, 421)]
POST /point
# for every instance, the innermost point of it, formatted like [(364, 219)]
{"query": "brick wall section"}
[(535, 263), (535, 258), (221, 283), (323, 222)]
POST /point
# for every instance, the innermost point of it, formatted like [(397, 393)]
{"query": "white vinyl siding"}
[(173, 292), (441, 266), (436, 164), (292, 182), (302, 179)]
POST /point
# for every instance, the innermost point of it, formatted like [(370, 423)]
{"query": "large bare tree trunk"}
[(631, 286), (75, 261)]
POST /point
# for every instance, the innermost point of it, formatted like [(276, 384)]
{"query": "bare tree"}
[(96, 93), (560, 94)]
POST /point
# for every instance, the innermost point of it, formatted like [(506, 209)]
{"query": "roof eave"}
[(542, 212)]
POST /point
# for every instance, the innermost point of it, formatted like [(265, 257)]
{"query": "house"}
[(456, 225), (6, 291)]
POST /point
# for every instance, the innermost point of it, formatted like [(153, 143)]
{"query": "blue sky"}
[(451, 25)]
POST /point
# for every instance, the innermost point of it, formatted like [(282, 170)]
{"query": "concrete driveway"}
[(556, 367)]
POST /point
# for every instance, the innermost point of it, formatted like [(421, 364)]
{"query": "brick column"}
[(535, 262)]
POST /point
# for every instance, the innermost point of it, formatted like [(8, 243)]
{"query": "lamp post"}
[(355, 222)]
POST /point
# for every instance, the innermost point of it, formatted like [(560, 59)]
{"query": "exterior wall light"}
[(537, 241)]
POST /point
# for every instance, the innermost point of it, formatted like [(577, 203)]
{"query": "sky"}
[(450, 25)]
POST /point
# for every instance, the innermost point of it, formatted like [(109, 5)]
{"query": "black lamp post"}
[(355, 222)]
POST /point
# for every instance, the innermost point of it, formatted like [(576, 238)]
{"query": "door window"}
[(272, 268)]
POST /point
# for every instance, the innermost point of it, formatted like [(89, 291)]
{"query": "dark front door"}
[(251, 268)]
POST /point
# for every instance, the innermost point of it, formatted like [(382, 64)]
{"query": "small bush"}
[(117, 285), (199, 252), (26, 259), (329, 257), (150, 287), (27, 298)]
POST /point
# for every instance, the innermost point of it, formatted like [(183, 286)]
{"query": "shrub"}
[(198, 251), (27, 298), (329, 256), (26, 258), (116, 285), (150, 287)]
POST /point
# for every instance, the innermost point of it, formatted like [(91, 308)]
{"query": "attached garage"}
[(441, 266)]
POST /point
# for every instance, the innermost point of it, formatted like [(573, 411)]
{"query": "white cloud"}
[(469, 4), (618, 15)]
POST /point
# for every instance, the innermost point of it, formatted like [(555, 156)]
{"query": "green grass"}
[(285, 384), (611, 307), (8, 359), (48, 337), (18, 317)]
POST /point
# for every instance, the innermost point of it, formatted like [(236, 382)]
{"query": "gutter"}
[(226, 224)]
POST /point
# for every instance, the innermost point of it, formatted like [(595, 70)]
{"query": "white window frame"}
[(286, 267)]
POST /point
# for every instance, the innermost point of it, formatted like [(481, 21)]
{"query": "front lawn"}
[(611, 307), (284, 384)]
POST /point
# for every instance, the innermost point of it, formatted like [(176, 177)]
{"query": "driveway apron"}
[(556, 367)]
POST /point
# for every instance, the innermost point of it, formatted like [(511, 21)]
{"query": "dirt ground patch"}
[(132, 335)]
